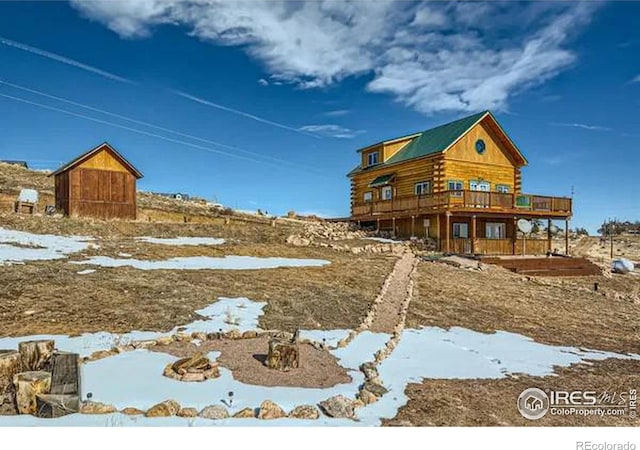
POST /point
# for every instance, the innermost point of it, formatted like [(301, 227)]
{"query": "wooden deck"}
[(551, 266), (463, 201)]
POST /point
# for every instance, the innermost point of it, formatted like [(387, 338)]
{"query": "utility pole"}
[(611, 226)]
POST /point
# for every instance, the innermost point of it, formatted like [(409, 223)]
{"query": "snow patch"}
[(383, 240), (182, 240), (20, 246), (86, 272), (205, 262)]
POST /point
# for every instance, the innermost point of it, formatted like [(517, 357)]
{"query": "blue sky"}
[(263, 104)]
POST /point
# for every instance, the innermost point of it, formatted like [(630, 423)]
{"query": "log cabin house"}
[(100, 183), (459, 184)]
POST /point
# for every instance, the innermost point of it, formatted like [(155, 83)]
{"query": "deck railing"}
[(464, 199)]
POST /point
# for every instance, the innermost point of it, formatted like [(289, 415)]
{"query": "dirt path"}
[(389, 310)]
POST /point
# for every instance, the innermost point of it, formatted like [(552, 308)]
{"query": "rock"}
[(233, 334), (164, 409), (338, 407), (250, 334), (89, 407), (132, 411), (199, 335), (215, 412), (187, 412), (100, 354), (246, 413), (212, 372), (144, 344), (305, 412), (375, 388), (269, 410), (164, 340), (369, 370), (183, 337), (366, 397)]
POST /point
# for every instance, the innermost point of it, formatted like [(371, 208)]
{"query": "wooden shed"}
[(99, 183)]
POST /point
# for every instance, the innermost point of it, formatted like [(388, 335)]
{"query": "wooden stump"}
[(28, 385), (50, 406), (36, 355), (283, 355), (10, 364), (65, 373)]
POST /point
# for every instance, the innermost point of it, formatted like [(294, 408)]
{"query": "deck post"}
[(438, 232), (413, 220), (393, 225), (377, 225), (566, 236), (549, 235), (515, 235), (447, 232), (473, 234)]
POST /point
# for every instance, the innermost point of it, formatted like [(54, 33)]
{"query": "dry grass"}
[(554, 311), (493, 402), (58, 300)]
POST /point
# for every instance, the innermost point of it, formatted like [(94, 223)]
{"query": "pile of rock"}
[(195, 368)]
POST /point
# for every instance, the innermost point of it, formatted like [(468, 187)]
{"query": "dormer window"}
[(373, 158)]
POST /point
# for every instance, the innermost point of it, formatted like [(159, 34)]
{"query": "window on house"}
[(482, 186), (460, 230), (372, 158), (368, 196), (387, 193), (495, 230), (455, 186), (424, 187), (502, 188)]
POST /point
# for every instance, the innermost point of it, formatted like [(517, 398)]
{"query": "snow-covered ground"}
[(205, 262), (20, 246), (225, 314), (383, 240), (429, 352), (182, 240)]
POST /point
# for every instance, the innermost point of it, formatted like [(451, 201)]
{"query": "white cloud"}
[(263, 82), (636, 79), (584, 126), (337, 112), (432, 57), (332, 130)]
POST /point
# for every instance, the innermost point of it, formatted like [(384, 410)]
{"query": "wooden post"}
[(65, 373), (566, 237), (283, 355), (50, 406), (393, 227), (549, 235), (28, 385), (515, 235), (473, 234), (413, 223), (36, 355), (447, 232), (377, 225), (438, 231)]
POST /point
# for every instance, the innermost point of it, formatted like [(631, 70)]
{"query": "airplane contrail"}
[(146, 133), (242, 113), (150, 125), (64, 60)]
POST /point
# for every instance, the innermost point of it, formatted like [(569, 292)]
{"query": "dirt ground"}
[(50, 297), (493, 402), (559, 311), (245, 358)]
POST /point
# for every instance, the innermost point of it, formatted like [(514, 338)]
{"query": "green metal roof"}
[(429, 142), (382, 180)]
